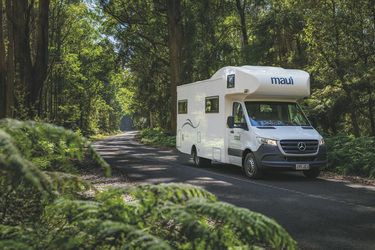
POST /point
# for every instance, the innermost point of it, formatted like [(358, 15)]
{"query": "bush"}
[(157, 136), (351, 156)]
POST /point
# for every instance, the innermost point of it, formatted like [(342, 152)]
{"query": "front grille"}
[(299, 159), (300, 147)]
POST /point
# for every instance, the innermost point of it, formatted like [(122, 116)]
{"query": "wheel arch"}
[(245, 152), (193, 148)]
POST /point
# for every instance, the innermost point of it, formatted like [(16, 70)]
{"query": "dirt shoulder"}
[(339, 177), (91, 171)]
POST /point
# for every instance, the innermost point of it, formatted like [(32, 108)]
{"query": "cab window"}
[(239, 116)]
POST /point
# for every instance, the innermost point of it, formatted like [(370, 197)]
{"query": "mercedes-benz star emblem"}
[(301, 146)]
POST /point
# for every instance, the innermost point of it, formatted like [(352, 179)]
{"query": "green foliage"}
[(166, 216), (35, 167), (340, 36), (42, 208), (157, 136), (351, 156)]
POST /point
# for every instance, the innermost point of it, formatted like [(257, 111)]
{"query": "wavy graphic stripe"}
[(190, 123)]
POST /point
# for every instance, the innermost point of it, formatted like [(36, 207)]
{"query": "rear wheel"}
[(250, 167), (199, 161)]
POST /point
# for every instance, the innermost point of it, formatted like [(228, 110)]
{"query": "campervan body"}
[(248, 116)]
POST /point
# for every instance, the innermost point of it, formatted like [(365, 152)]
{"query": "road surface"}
[(317, 213)]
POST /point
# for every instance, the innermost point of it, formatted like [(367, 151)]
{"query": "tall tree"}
[(9, 99), (2, 66), (142, 31), (175, 34), (39, 72)]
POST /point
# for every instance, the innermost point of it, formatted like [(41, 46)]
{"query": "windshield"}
[(275, 114)]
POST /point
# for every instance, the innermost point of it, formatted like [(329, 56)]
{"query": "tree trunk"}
[(151, 121), (2, 66), (22, 56), (41, 62), (10, 62), (371, 111), (241, 12), (352, 111), (175, 35)]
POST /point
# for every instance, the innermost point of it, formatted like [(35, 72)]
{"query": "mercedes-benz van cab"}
[(248, 116)]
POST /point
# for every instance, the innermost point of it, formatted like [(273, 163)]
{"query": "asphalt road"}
[(317, 213)]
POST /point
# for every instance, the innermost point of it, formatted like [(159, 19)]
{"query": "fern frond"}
[(187, 209), (16, 169), (19, 140), (68, 183), (32, 134), (98, 228), (175, 192), (250, 227), (13, 244), (126, 236), (192, 231), (75, 211)]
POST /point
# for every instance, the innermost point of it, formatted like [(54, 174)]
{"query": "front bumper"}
[(271, 158)]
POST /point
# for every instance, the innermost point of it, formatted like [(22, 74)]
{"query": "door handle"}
[(232, 132)]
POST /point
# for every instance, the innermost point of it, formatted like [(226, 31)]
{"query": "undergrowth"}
[(43, 204), (157, 136), (351, 156)]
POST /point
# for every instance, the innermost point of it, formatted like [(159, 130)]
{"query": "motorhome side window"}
[(230, 81), (182, 106), (212, 104)]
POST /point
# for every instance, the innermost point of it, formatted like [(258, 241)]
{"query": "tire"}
[(250, 167), (311, 173), (199, 161)]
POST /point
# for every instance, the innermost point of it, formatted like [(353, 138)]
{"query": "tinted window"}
[(212, 104), (275, 114), (182, 106)]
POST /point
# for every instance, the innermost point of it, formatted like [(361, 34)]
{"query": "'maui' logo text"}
[(282, 80)]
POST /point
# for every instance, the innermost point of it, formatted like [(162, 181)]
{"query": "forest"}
[(72, 69), (85, 64)]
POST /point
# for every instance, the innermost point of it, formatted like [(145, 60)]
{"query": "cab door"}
[(237, 134)]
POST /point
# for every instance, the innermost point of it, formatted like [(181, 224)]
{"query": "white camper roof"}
[(263, 82)]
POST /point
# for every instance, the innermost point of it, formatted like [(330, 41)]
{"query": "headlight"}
[(268, 142), (321, 142)]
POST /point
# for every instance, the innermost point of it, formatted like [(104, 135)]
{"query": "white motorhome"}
[(248, 116)]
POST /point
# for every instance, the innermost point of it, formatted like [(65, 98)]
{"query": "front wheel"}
[(199, 161), (250, 167)]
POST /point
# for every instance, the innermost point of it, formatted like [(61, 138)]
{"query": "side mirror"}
[(230, 121)]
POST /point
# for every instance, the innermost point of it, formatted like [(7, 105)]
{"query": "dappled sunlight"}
[(204, 181), (169, 157), (358, 185), (149, 168)]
